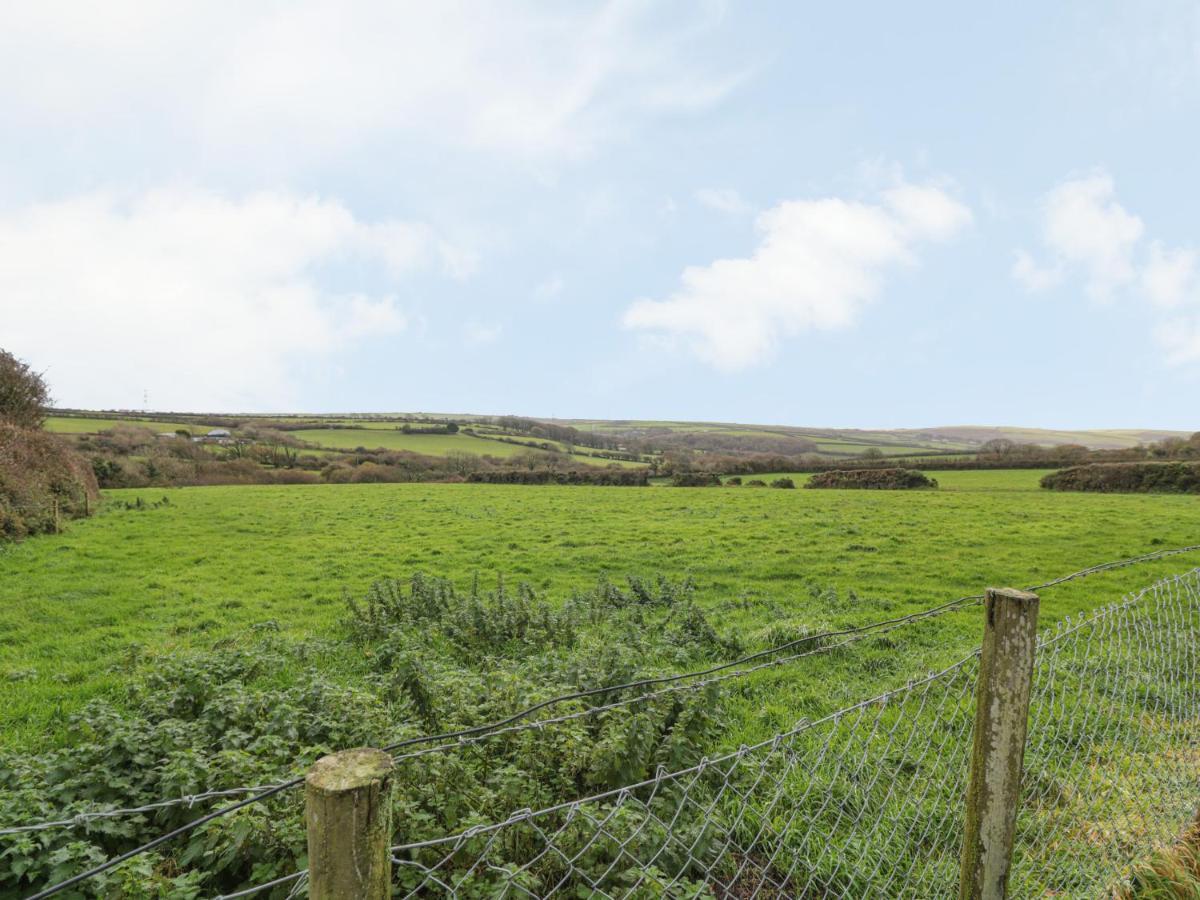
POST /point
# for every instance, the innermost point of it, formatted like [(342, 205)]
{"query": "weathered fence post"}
[(348, 809), (1001, 717)]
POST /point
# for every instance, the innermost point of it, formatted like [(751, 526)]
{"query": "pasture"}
[(215, 562)]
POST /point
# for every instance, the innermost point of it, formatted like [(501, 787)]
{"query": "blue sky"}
[(874, 215)]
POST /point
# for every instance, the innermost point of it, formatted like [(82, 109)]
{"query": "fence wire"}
[(1112, 763), (868, 801), (864, 802)]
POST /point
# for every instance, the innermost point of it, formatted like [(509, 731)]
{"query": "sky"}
[(844, 215)]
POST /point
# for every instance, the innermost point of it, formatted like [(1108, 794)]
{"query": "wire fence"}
[(866, 801), (1112, 766), (869, 801)]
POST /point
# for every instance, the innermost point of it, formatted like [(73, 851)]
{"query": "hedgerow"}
[(418, 656), (1146, 477), (41, 482), (878, 479)]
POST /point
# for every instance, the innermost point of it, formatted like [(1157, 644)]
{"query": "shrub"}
[(695, 479), (23, 393), (872, 479), (785, 483), (40, 474), (756, 482), (609, 477), (735, 481), (1135, 477)]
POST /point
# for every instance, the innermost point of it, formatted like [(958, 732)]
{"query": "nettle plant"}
[(413, 657)]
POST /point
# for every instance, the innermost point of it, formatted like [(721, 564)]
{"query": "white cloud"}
[(1086, 232), (1033, 276), (207, 301), (1085, 229), (817, 264), (1170, 277), (1180, 338), (307, 81), (724, 200)]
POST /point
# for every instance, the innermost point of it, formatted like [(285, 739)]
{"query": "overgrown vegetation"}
[(42, 481), (1128, 478), (873, 479), (428, 658)]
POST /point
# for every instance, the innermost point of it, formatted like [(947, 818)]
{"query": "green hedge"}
[(872, 479), (41, 481), (1128, 478)]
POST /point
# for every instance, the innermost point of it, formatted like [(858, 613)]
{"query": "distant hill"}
[(853, 441), (1096, 439), (482, 435)]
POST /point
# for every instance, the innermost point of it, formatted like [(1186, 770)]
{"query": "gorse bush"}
[(417, 656), (876, 479), (1147, 477)]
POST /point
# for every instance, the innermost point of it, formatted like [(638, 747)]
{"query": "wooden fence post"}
[(349, 814), (1001, 718)]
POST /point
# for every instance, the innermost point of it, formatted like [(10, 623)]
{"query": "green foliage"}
[(872, 479), (429, 658), (1129, 478), (42, 483)]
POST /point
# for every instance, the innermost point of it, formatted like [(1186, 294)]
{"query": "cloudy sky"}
[(821, 214)]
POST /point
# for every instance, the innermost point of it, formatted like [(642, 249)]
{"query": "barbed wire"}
[(454, 739)]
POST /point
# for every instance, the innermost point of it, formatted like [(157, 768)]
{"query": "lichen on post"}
[(1001, 719), (348, 810)]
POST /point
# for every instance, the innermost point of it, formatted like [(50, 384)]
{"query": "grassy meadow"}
[(215, 562)]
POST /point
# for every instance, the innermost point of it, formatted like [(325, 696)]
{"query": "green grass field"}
[(428, 444), (85, 425), (972, 481), (216, 561)]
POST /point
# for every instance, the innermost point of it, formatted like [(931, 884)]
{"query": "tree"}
[(999, 446), (24, 395)]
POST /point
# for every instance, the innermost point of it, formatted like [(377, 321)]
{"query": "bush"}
[(756, 482), (611, 477), (872, 479), (39, 473), (23, 393), (735, 481), (785, 483), (427, 657), (1137, 477), (695, 479)]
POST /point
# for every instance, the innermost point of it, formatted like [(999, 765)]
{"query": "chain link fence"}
[(869, 800)]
